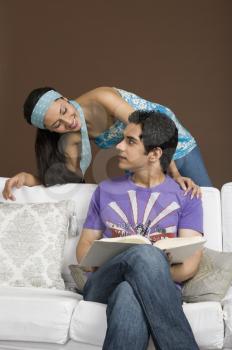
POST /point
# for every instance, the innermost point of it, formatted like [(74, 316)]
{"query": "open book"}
[(104, 249)]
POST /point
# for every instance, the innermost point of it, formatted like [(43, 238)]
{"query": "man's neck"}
[(147, 180)]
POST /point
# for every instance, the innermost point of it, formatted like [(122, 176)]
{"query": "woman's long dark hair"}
[(50, 156)]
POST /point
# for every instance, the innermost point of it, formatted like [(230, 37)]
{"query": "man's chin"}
[(122, 166)]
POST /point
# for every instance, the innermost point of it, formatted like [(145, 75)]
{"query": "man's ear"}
[(155, 154)]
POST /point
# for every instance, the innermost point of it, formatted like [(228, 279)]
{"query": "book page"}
[(104, 249), (128, 239), (169, 243)]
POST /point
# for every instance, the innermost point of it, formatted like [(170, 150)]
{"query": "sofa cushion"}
[(23, 345), (36, 314), (89, 323), (212, 279), (226, 198), (79, 193), (227, 309), (32, 238), (212, 226)]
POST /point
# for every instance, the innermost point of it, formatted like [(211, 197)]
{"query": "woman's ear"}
[(155, 154)]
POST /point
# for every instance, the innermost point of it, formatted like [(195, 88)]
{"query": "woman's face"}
[(62, 117)]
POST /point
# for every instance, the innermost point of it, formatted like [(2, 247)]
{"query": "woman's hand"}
[(17, 181), (185, 183), (188, 185)]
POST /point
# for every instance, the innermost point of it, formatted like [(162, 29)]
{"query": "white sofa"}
[(32, 318)]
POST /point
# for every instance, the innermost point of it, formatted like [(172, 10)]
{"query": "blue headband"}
[(86, 154), (41, 107)]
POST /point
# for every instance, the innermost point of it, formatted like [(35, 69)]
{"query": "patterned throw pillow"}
[(212, 280), (32, 238)]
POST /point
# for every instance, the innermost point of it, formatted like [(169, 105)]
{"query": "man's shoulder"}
[(115, 182), (173, 187)]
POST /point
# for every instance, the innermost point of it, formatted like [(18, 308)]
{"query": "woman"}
[(100, 114)]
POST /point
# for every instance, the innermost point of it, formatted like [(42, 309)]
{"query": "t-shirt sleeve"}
[(93, 219), (192, 215)]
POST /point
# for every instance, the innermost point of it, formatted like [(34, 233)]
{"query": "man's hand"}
[(17, 181), (88, 236), (187, 269), (90, 269), (169, 257)]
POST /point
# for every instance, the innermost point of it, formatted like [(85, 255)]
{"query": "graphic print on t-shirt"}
[(152, 223)]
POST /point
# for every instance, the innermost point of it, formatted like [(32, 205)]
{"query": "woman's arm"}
[(114, 104), (19, 180)]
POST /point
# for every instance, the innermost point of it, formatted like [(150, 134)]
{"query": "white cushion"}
[(70, 345), (227, 310), (226, 199), (36, 314), (89, 323), (212, 217), (80, 193), (206, 319), (32, 238)]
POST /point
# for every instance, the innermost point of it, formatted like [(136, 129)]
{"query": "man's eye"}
[(130, 142), (64, 110)]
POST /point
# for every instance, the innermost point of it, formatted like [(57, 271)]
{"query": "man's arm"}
[(85, 242), (186, 270)]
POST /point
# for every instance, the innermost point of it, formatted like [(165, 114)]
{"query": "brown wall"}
[(175, 52)]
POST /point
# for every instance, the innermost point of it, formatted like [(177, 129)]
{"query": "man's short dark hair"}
[(157, 131)]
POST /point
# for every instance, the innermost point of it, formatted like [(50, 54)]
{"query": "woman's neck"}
[(96, 117)]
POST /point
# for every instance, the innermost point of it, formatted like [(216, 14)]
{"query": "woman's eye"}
[(57, 126), (64, 110)]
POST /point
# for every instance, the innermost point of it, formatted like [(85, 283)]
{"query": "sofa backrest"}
[(212, 217), (226, 198), (81, 194)]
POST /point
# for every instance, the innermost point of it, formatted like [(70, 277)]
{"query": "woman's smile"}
[(75, 124)]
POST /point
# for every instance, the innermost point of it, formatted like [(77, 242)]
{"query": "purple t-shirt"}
[(120, 207)]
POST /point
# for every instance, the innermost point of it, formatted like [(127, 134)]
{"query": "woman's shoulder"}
[(99, 92)]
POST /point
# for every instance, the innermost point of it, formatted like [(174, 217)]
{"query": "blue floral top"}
[(114, 134)]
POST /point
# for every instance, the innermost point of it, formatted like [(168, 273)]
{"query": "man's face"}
[(131, 149)]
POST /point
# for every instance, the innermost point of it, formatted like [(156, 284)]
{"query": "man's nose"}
[(119, 146)]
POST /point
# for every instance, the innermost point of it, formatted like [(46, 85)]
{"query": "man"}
[(139, 285)]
